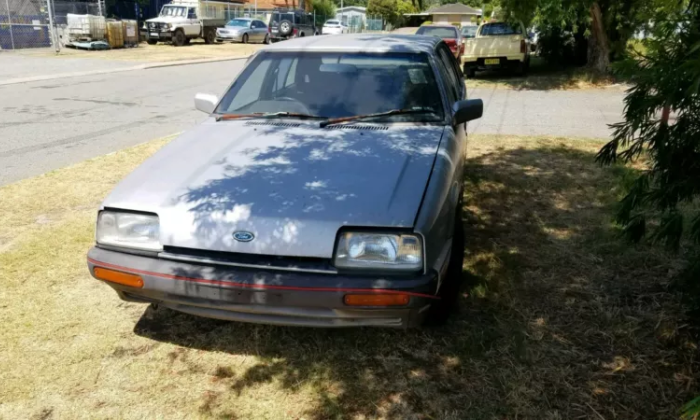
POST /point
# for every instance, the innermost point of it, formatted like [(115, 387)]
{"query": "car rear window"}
[(496, 29), (334, 85), (279, 17), (438, 31), (469, 31)]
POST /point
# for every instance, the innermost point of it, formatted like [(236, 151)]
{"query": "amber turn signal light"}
[(377, 300), (119, 277)]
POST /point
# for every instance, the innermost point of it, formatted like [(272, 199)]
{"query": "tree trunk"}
[(598, 48)]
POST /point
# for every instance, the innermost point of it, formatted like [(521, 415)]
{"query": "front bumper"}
[(229, 37), (503, 60), (158, 35), (266, 296)]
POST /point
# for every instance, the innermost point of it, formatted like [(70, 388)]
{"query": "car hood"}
[(292, 185), (166, 19)]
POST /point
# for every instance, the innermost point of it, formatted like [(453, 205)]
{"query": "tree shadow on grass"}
[(542, 76), (560, 319)]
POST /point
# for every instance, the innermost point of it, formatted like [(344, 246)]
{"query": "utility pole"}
[(9, 20), (54, 35)]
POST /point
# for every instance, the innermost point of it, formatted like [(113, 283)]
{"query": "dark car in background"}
[(285, 24), (448, 33)]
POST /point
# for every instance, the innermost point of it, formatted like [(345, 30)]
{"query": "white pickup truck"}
[(497, 45), (183, 20)]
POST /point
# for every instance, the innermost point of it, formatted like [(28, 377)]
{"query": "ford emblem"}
[(243, 236)]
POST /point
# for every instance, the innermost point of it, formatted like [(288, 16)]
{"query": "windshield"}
[(497, 29), (469, 31), (438, 31), (173, 11), (332, 22), (238, 22), (335, 85)]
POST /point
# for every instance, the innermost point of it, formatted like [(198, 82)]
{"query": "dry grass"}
[(560, 320), (196, 50), (544, 77)]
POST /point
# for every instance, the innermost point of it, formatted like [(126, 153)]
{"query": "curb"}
[(118, 70), (188, 62)]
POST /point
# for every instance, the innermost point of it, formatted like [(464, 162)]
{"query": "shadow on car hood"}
[(291, 185)]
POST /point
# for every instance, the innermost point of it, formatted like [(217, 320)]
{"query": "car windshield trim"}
[(225, 117), (417, 110)]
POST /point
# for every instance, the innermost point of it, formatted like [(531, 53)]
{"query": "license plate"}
[(154, 34), (492, 61)]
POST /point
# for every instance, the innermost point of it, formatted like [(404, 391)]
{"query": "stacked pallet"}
[(89, 32), (115, 34)]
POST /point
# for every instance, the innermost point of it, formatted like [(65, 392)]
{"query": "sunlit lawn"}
[(559, 318)]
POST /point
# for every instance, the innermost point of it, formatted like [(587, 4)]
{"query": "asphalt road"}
[(52, 124)]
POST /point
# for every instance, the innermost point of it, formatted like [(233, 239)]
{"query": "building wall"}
[(463, 20), (348, 15)]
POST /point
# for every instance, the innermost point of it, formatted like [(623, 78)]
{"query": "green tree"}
[(608, 25), (662, 124), (387, 9), (324, 9)]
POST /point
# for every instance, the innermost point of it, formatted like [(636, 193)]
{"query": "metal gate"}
[(25, 24)]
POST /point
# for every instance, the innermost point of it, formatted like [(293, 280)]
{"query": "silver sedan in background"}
[(244, 30)]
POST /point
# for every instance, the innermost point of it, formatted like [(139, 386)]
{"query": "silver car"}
[(324, 189), (244, 30)]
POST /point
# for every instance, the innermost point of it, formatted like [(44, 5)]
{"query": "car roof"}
[(372, 43)]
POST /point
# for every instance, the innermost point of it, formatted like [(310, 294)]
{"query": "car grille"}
[(154, 25), (268, 262)]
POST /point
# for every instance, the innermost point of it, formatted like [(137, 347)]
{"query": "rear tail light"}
[(523, 46), (294, 31)]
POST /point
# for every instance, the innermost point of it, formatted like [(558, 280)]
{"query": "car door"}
[(260, 30), (192, 28)]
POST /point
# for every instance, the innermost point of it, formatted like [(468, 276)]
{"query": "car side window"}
[(447, 74), (459, 76), (284, 70), (191, 13), (250, 91)]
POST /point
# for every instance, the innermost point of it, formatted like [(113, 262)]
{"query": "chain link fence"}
[(355, 23), (25, 24)]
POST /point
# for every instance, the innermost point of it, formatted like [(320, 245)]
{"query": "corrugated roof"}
[(454, 9)]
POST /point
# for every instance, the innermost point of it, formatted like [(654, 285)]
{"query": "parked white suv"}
[(183, 20), (334, 27)]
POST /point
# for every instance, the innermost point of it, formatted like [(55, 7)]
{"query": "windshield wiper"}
[(224, 117), (416, 110)]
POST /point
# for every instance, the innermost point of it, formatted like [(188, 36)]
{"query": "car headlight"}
[(129, 230), (379, 251), (165, 26)]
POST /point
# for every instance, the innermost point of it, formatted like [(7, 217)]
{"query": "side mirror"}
[(205, 103), (467, 110)]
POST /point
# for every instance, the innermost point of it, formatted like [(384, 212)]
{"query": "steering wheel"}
[(288, 99)]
